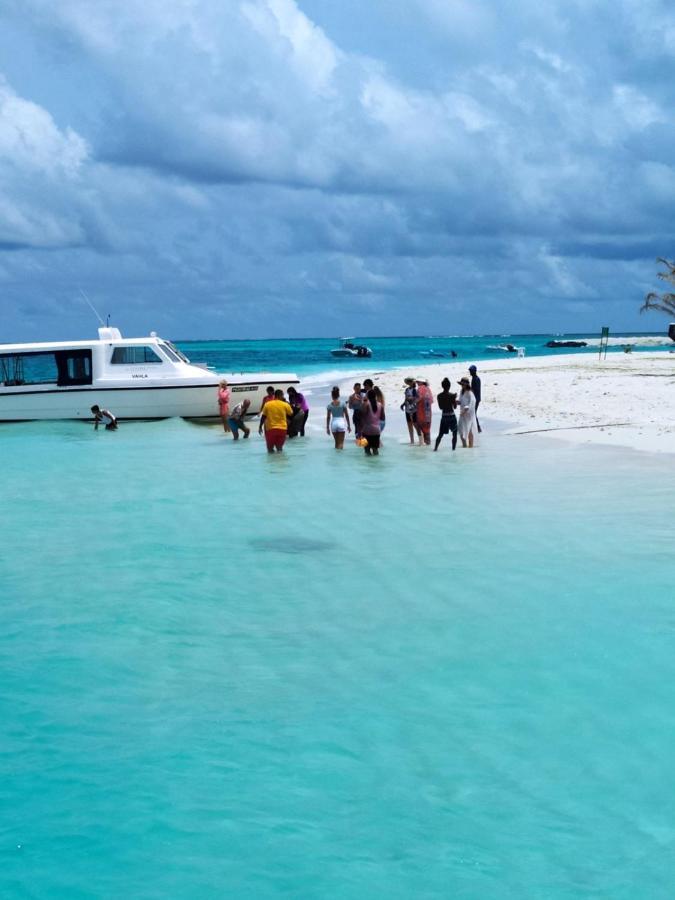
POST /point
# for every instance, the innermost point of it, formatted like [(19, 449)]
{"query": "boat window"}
[(133, 356), (74, 367), (17, 369), (174, 357)]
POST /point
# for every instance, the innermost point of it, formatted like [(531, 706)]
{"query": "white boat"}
[(506, 348), (135, 378), (349, 350)]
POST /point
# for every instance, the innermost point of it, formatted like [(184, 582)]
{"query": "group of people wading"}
[(284, 416)]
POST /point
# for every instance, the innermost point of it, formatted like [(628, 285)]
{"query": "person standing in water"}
[(447, 403), (224, 404), (409, 407), (467, 413), (475, 387), (337, 418), (355, 403), (371, 423), (274, 419), (424, 400)]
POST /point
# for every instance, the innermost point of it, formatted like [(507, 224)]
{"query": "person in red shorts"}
[(274, 419)]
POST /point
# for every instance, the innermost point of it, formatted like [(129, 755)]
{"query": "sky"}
[(296, 168)]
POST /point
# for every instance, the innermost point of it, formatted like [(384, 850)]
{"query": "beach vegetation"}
[(662, 302)]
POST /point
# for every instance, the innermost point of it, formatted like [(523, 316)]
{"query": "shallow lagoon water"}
[(323, 675)]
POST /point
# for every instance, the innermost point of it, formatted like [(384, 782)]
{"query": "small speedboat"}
[(349, 350), (504, 348)]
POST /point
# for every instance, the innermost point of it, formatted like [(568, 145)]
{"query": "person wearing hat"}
[(467, 413), (409, 407), (475, 387), (424, 401)]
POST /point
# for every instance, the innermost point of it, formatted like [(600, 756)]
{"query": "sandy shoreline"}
[(626, 400)]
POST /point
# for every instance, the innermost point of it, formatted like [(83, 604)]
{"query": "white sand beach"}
[(624, 400)]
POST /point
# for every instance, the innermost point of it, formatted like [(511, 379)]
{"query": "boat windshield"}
[(171, 348)]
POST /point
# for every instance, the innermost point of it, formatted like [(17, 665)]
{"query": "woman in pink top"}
[(424, 400), (224, 404)]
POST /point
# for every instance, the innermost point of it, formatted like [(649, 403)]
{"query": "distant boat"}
[(556, 344), (504, 348), (349, 350)]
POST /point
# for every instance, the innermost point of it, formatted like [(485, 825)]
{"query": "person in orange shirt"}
[(274, 419)]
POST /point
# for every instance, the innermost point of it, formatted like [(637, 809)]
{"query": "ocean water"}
[(310, 357), (322, 675)]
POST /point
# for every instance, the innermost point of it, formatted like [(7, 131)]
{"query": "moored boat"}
[(505, 348), (350, 350), (136, 378)]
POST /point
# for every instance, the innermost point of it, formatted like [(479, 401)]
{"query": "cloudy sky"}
[(245, 168)]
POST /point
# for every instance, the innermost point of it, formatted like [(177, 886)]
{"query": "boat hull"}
[(193, 401)]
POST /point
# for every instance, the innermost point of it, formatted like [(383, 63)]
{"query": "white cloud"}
[(31, 141)]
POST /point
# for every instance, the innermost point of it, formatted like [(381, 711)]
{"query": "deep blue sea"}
[(311, 356), (327, 676)]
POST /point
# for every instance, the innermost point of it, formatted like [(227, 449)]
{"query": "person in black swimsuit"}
[(447, 403), (475, 387)]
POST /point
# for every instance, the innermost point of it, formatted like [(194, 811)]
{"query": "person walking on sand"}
[(467, 413), (274, 419), (337, 418), (409, 407), (475, 387), (447, 403), (224, 404), (371, 423), (424, 401), (100, 415), (236, 420), (355, 403)]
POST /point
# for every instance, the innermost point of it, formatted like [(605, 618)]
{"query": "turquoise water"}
[(312, 356), (323, 675)]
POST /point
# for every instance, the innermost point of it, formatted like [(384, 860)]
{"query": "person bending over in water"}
[(447, 403), (337, 419), (100, 415), (236, 420), (300, 413), (274, 419)]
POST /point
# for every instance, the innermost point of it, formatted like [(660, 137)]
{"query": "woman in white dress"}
[(467, 426)]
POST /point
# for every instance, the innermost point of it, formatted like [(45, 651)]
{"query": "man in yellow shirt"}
[(274, 418)]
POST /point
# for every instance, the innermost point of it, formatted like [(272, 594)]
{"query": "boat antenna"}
[(92, 307)]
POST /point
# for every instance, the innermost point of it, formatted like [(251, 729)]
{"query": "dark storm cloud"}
[(201, 166)]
